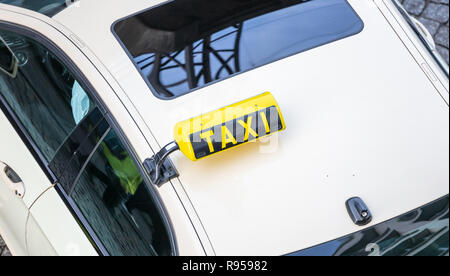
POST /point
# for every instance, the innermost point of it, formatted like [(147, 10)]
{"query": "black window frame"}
[(113, 125)]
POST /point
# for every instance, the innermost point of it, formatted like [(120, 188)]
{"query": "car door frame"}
[(192, 237), (27, 31), (26, 138)]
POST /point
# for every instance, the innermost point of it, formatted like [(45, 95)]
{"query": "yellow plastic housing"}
[(229, 127)]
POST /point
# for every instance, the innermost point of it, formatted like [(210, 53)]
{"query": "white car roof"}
[(362, 117)]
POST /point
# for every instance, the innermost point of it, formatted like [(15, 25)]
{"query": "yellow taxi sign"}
[(229, 127)]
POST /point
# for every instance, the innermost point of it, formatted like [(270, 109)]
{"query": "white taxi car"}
[(318, 127)]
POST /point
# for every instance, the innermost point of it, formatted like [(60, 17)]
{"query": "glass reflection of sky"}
[(289, 31), (261, 40)]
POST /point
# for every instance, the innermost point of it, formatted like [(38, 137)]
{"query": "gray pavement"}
[(3, 249), (434, 14)]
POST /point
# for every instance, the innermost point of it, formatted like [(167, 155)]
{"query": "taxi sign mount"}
[(217, 131)]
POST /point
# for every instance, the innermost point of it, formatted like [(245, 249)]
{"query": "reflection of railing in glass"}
[(184, 45), (194, 62)]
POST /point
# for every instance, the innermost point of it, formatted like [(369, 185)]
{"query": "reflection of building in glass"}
[(187, 44), (195, 65), (423, 232)]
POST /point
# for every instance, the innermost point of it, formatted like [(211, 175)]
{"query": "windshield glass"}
[(187, 44), (422, 232), (47, 7)]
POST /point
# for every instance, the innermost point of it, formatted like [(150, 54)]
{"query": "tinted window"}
[(186, 44), (47, 7), (422, 232), (117, 204), (44, 95), (95, 173)]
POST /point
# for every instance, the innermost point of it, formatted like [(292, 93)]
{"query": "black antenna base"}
[(160, 168)]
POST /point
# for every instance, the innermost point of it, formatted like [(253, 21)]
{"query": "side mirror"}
[(217, 131), (9, 64)]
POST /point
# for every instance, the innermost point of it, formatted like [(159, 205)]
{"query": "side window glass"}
[(92, 166), (115, 201), (44, 95)]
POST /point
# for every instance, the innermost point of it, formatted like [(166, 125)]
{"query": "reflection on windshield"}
[(187, 44), (422, 232)]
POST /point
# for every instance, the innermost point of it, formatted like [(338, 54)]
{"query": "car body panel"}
[(342, 118), (42, 234), (357, 124), (13, 209), (114, 98)]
